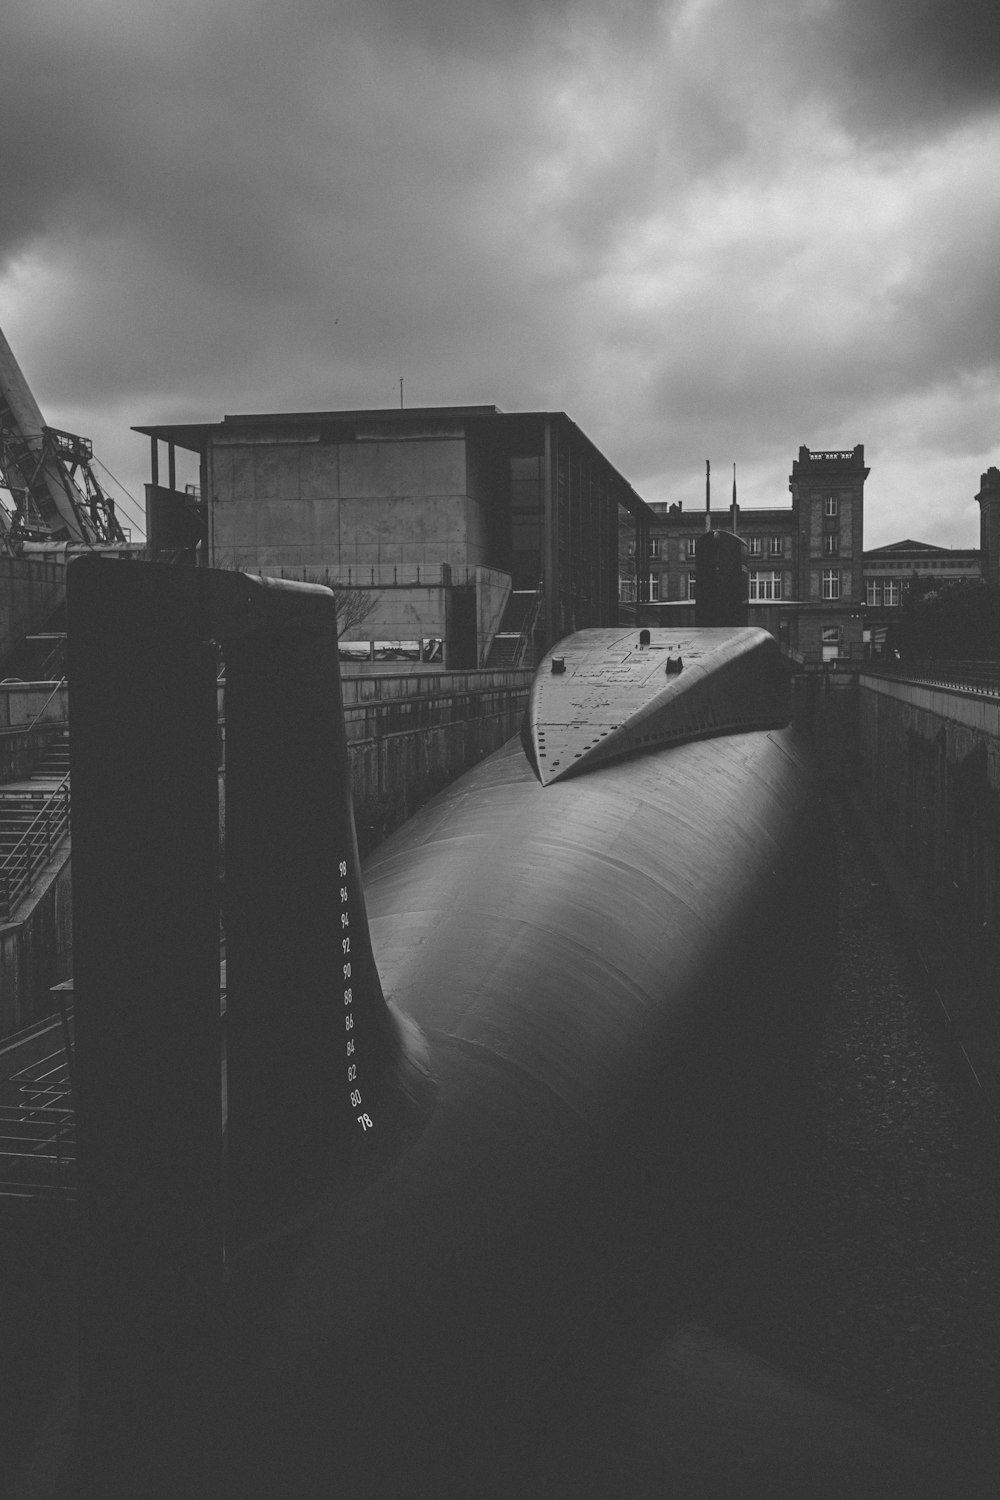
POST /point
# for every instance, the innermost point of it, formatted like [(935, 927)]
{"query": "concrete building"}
[(889, 571), (464, 523), (804, 561)]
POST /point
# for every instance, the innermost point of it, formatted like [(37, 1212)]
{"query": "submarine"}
[(496, 1108)]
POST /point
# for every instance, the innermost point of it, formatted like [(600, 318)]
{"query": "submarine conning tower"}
[(603, 694)]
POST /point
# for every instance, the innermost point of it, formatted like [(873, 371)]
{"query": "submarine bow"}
[(469, 1178)]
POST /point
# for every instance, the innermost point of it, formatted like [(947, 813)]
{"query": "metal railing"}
[(38, 1125), (36, 846), (58, 687), (526, 638), (974, 676), (56, 660)]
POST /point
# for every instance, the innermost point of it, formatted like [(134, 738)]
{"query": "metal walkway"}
[(37, 1126)]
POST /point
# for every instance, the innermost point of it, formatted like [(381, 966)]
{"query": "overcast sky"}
[(703, 228)]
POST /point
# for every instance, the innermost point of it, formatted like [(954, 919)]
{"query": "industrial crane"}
[(54, 493)]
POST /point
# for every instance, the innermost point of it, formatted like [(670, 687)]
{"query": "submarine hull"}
[(615, 977)]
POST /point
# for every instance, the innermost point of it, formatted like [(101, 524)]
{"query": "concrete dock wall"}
[(409, 736), (30, 713), (411, 733), (930, 757), (30, 590), (928, 774)]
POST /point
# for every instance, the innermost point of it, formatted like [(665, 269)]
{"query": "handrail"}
[(60, 684), (982, 677), (34, 848), (528, 628)]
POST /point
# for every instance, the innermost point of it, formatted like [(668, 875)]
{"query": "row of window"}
[(908, 565), (757, 546), (762, 586), (879, 592), (774, 546)]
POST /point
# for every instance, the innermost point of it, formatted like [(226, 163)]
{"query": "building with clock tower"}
[(804, 561), (828, 498), (989, 523)]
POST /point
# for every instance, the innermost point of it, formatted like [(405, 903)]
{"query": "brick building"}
[(804, 561)]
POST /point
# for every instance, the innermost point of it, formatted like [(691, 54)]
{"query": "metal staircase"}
[(37, 1120), (514, 645), (34, 821)]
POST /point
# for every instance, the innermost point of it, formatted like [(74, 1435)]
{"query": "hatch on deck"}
[(619, 691)]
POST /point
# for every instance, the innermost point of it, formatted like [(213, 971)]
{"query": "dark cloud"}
[(697, 226), (498, 27), (916, 62)]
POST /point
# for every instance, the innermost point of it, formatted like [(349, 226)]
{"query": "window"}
[(831, 635), (831, 583), (873, 592), (692, 578), (654, 591), (891, 593), (753, 546), (831, 506), (626, 590), (654, 546), (692, 549), (765, 585), (775, 545), (831, 543)]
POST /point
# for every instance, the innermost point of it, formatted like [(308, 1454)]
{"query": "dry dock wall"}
[(409, 736), (30, 590), (928, 771), (411, 733)]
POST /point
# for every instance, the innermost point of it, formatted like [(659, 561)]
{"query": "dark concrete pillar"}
[(314, 1063), (147, 1066)]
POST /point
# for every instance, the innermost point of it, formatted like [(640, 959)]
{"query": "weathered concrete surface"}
[(22, 702), (409, 734), (310, 504), (407, 744), (30, 592), (492, 592), (21, 739)]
